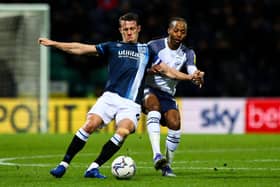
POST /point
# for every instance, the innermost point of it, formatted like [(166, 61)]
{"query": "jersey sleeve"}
[(102, 48), (191, 57), (153, 54), (191, 61)]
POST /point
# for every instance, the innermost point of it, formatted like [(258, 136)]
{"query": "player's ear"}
[(168, 31), (139, 28)]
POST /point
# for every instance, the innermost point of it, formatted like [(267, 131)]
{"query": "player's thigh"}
[(105, 107), (151, 102), (93, 122), (172, 119), (129, 111)]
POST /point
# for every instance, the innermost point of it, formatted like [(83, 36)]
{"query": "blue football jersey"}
[(127, 68)]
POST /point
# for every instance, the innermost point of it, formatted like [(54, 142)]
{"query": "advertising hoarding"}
[(213, 115)]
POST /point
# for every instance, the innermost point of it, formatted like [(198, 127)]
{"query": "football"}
[(123, 167)]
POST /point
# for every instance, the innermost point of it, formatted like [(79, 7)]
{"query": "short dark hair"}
[(171, 20), (130, 16)]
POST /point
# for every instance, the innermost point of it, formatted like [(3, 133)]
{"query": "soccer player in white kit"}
[(159, 102), (128, 62)]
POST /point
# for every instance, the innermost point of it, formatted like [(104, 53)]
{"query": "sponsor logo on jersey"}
[(128, 54)]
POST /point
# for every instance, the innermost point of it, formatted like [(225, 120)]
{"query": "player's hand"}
[(198, 78), (46, 42), (155, 69)]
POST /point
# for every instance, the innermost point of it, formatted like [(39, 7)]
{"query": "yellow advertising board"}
[(65, 115), (18, 115)]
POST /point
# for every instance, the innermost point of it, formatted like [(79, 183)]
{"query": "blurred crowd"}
[(236, 42)]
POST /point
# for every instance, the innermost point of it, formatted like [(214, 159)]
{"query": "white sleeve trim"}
[(158, 61), (191, 69)]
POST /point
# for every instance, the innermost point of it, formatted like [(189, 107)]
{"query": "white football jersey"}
[(181, 58)]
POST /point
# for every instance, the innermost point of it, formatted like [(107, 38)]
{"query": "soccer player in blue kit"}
[(159, 102), (128, 62)]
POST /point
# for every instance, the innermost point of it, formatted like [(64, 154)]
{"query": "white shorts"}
[(110, 106)]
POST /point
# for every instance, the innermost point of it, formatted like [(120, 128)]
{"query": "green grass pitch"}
[(201, 160)]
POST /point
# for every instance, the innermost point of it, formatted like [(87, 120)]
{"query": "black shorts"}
[(167, 101)]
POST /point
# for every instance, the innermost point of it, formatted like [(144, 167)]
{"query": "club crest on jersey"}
[(142, 49), (181, 57)]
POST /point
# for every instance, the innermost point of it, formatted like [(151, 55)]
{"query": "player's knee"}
[(92, 123), (123, 132), (155, 108), (150, 108), (174, 124), (151, 103)]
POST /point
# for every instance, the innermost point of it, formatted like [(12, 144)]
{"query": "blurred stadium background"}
[(236, 42)]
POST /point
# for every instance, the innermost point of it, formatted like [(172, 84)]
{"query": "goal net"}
[(24, 64)]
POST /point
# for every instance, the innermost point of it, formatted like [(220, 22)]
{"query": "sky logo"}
[(219, 117)]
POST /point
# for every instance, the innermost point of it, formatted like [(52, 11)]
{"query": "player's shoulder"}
[(157, 44), (159, 41), (186, 49), (107, 43), (137, 44), (120, 44), (142, 44)]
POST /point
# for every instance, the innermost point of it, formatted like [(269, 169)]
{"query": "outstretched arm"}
[(69, 47), (197, 77), (172, 73)]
